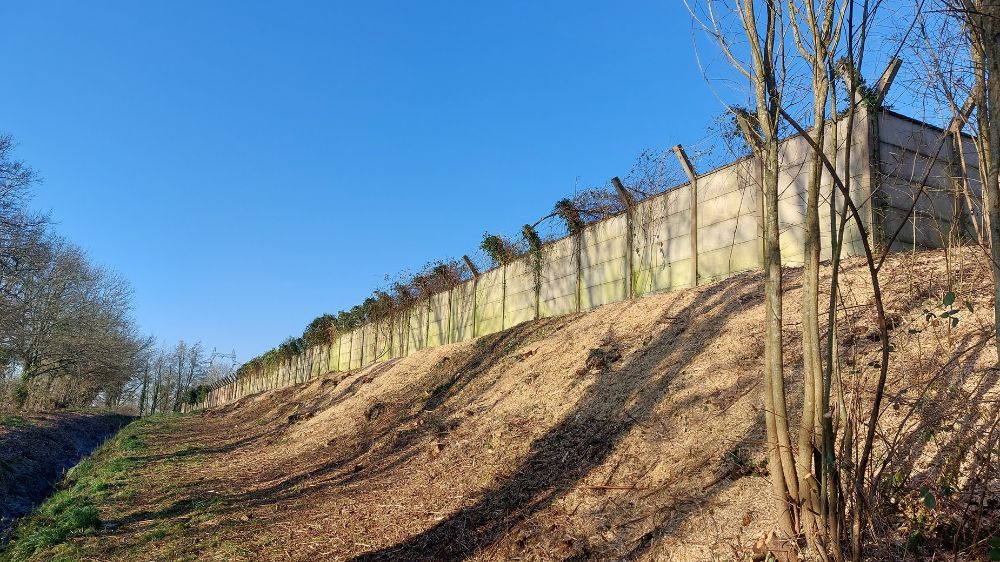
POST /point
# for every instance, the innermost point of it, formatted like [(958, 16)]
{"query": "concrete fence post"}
[(350, 350), (451, 316), (503, 297), (475, 290), (629, 202), (578, 242), (693, 179), (406, 332), (361, 363), (427, 323)]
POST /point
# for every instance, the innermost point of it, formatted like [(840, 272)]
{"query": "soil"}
[(630, 432), (37, 448)]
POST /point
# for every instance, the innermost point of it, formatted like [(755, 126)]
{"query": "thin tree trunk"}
[(810, 427), (142, 393), (990, 29)]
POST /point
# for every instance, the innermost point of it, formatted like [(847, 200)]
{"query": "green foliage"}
[(500, 250), (72, 511), (851, 75), (738, 137), (946, 310), (535, 256), (948, 299), (531, 237), (322, 330), (928, 497), (994, 548), (20, 394), (197, 394), (63, 518), (567, 211), (291, 347), (7, 420)]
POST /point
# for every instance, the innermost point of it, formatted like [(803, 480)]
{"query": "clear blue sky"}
[(248, 166)]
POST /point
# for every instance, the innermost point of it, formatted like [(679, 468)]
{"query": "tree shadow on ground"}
[(383, 445), (585, 438)]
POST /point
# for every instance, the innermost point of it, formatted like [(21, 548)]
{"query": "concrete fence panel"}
[(728, 221), (417, 333), (399, 324), (463, 300), (489, 302), (345, 352), (602, 259), (519, 305), (662, 244), (439, 323), (559, 278)]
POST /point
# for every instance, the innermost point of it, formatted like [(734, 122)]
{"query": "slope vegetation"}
[(630, 432), (35, 450)]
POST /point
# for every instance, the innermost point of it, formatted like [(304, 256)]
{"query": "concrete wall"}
[(345, 352), (728, 225), (559, 277), (519, 295), (417, 337), (910, 155), (489, 302), (662, 242), (463, 300), (603, 264), (400, 330), (439, 322), (793, 181)]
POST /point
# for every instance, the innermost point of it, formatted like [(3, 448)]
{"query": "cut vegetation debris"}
[(630, 432)]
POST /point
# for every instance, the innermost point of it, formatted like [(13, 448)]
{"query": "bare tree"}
[(981, 19), (815, 29), (761, 65)]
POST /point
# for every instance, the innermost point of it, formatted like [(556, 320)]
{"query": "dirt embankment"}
[(632, 432), (37, 448)]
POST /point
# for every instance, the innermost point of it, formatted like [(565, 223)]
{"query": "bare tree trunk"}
[(142, 393), (764, 137), (982, 129), (156, 390), (982, 21), (810, 432), (781, 445), (989, 35)]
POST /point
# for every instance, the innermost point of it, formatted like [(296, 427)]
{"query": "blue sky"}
[(251, 165)]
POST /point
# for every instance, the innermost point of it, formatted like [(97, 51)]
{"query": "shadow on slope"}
[(612, 405)]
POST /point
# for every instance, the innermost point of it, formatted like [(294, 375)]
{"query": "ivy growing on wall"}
[(500, 250)]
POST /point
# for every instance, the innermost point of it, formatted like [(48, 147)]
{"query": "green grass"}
[(68, 525), (8, 420), (72, 511)]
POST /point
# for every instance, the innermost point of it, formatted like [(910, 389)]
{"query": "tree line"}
[(67, 334)]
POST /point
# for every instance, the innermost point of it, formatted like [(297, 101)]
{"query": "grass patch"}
[(9, 420), (132, 443), (64, 515), (162, 531), (72, 511)]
